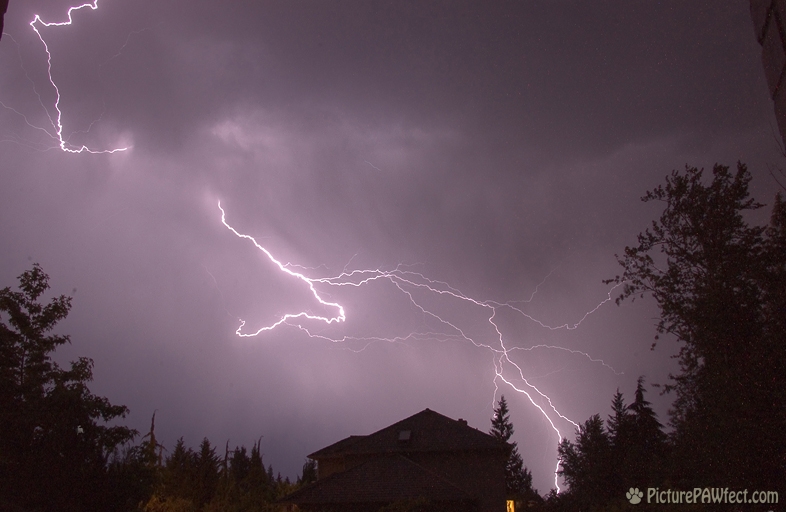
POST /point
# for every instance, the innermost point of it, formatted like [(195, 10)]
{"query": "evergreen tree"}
[(586, 465), (206, 475), (501, 427), (239, 464), (620, 423), (602, 464), (518, 479), (647, 430), (638, 443), (621, 431), (309, 472), (260, 486), (647, 455), (179, 471)]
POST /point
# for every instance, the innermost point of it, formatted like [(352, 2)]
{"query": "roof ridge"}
[(430, 432)]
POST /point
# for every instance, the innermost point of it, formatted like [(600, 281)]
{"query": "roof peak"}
[(426, 431)]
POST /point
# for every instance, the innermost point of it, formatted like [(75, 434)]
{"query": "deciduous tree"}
[(54, 443), (719, 284)]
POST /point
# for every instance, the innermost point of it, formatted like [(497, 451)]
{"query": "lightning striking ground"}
[(408, 283), (55, 114)]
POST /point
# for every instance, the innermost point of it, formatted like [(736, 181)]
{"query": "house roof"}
[(424, 431), (380, 480)]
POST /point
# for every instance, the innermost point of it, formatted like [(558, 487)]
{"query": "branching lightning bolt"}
[(56, 120), (339, 317), (408, 282)]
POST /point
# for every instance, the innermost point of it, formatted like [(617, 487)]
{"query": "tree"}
[(309, 473), (719, 285), (620, 428), (53, 450), (620, 424), (501, 427), (239, 464), (772, 358), (638, 443), (603, 463), (259, 486), (646, 429), (518, 479), (586, 464), (136, 472), (178, 472), (206, 473)]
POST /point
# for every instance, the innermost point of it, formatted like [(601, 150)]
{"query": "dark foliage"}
[(605, 461), (136, 471), (586, 465), (309, 473), (202, 481), (53, 443), (518, 479), (719, 283), (56, 454)]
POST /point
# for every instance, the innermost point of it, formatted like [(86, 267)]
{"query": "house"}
[(427, 461)]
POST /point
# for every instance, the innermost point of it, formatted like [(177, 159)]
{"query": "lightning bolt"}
[(338, 317), (56, 119), (411, 283)]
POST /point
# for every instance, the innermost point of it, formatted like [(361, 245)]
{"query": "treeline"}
[(720, 284), (198, 481), (605, 461), (57, 454)]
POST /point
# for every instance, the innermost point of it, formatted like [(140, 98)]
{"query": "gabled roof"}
[(379, 480), (428, 431), (338, 447)]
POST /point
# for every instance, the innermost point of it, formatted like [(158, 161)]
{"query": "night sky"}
[(498, 149)]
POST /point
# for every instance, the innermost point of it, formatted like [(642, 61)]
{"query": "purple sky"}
[(498, 147)]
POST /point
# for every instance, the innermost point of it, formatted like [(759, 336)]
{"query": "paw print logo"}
[(634, 495)]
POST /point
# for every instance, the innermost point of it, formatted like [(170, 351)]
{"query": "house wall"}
[(326, 467), (479, 474), (329, 466)]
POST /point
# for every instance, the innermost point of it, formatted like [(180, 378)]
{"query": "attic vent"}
[(404, 435), (462, 421)]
